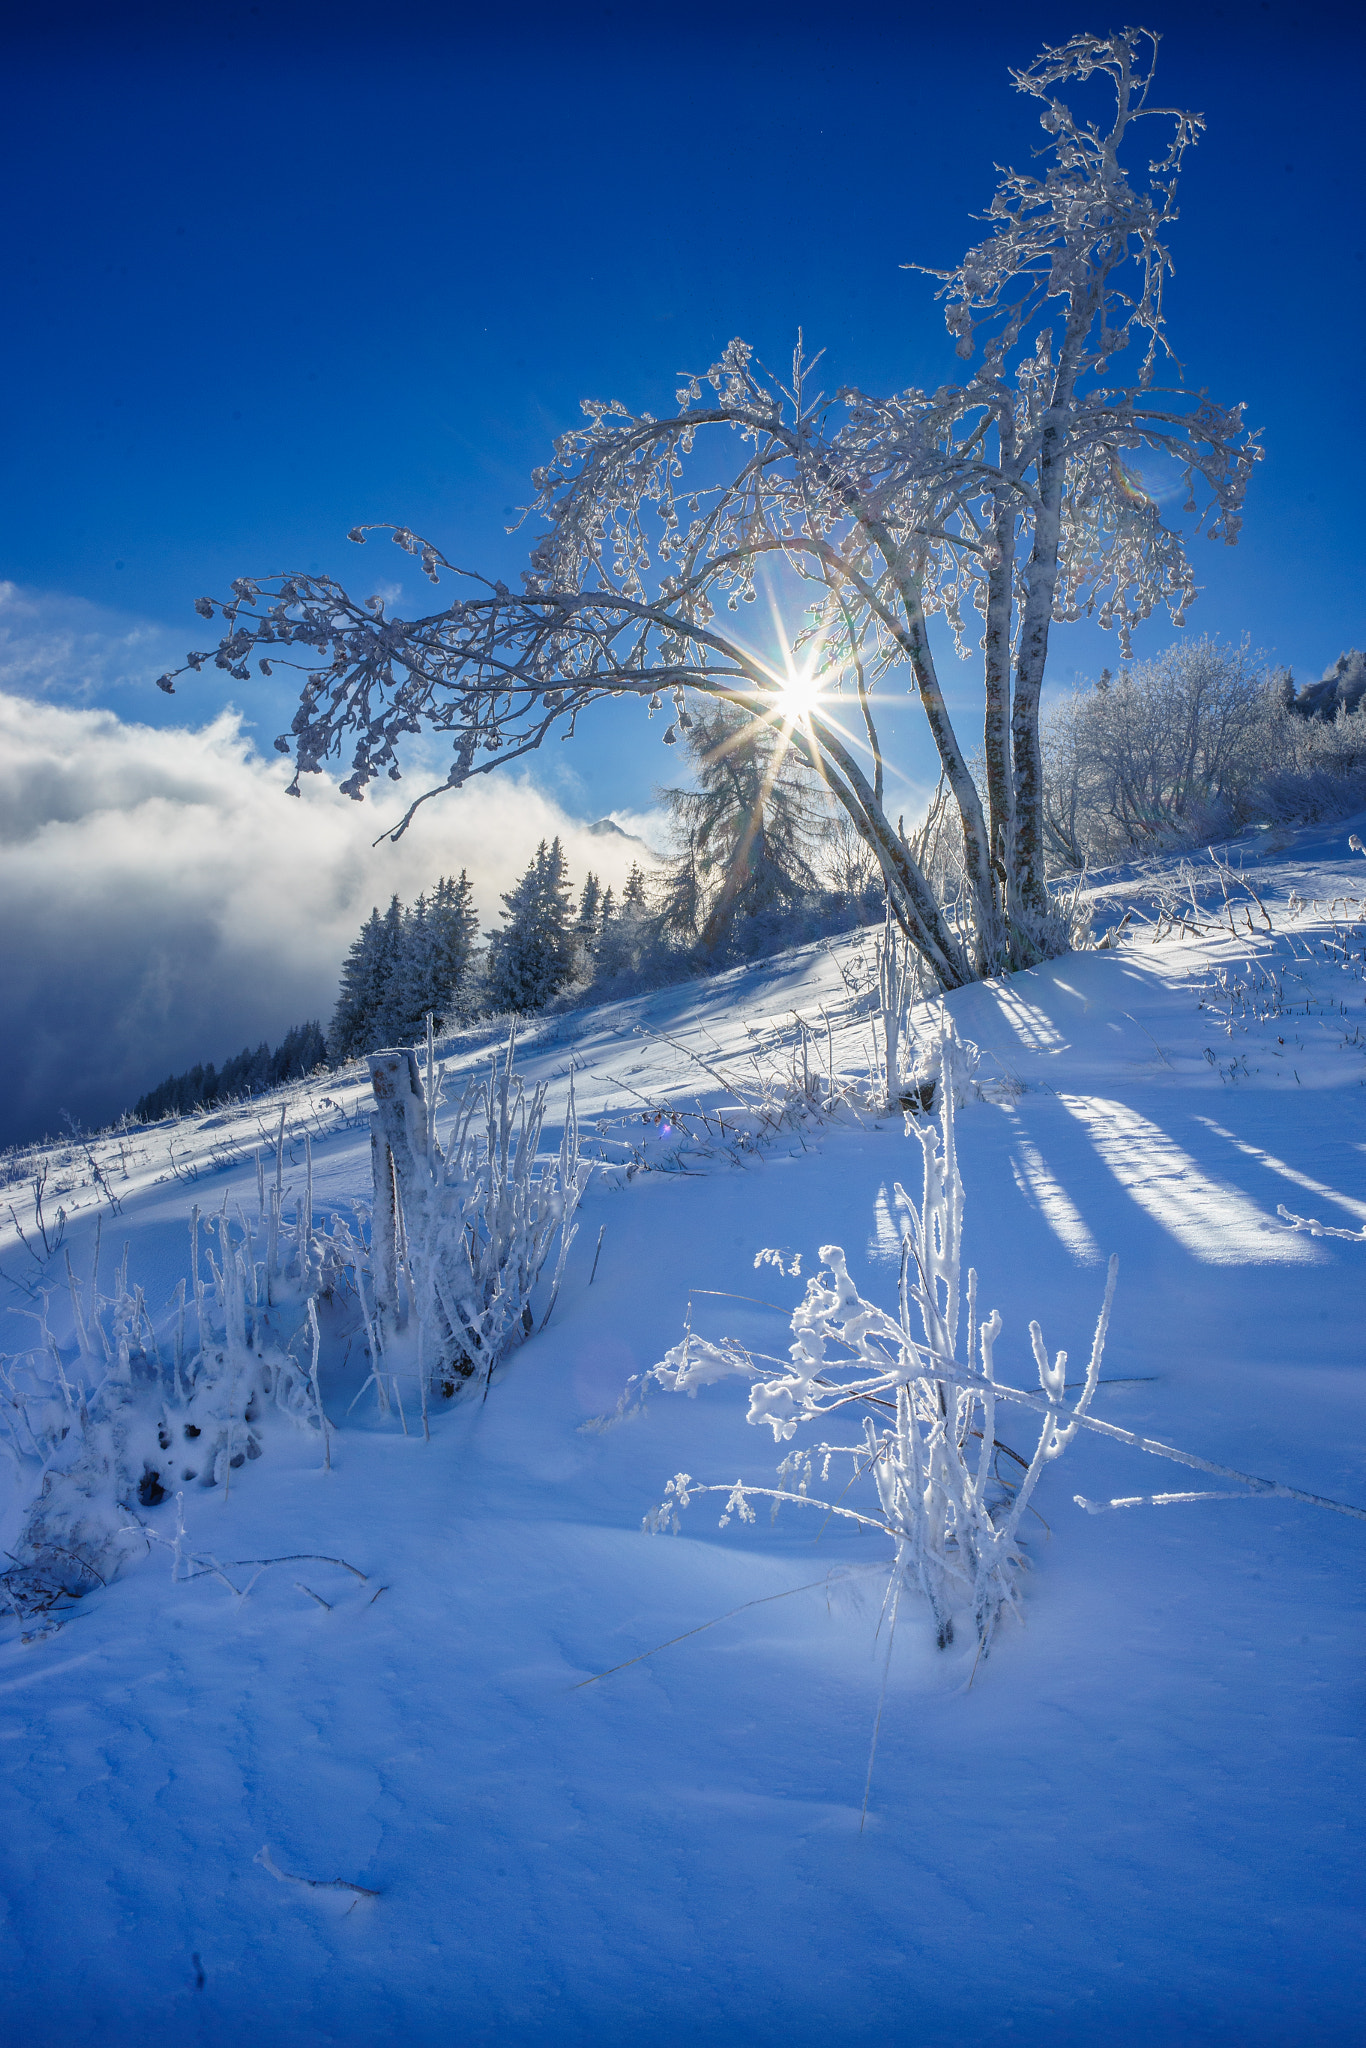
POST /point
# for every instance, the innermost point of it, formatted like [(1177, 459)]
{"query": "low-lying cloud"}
[(163, 901)]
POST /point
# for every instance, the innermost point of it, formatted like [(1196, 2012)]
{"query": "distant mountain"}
[(606, 829)]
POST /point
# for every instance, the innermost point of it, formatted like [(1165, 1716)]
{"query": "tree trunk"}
[(1041, 579)]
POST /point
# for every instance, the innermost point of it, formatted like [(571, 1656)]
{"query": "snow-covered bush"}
[(1171, 752), (461, 1233), (111, 1411), (1194, 745), (929, 1424), (1320, 766)]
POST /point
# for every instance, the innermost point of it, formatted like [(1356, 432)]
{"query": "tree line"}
[(759, 861), (300, 1051), (1173, 751)]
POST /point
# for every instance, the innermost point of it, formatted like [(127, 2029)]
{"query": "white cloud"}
[(163, 901)]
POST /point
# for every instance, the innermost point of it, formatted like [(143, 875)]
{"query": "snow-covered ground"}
[(1140, 1822)]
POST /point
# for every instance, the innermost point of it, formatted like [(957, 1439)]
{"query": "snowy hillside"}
[(1138, 1820)]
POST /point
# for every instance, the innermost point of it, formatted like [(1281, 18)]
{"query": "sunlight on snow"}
[(885, 1242), (1214, 1222), (1029, 1023), (1036, 1182), (1274, 1165)]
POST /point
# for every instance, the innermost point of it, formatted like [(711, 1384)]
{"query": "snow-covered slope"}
[(1141, 1822)]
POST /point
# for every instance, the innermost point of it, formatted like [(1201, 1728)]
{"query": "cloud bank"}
[(162, 901)]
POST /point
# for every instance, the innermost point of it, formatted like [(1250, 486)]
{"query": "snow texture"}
[(253, 1795)]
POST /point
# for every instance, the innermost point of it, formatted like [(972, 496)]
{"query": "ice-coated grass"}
[(927, 1411), (1143, 1822)]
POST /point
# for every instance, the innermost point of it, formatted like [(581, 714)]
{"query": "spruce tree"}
[(360, 1019), (634, 894), (629, 934), (749, 832), (412, 991), (454, 927), (356, 1003), (590, 911), (532, 957), (386, 1027)]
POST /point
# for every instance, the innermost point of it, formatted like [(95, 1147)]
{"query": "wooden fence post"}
[(398, 1164)]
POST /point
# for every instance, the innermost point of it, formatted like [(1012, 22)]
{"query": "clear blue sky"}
[(274, 272)]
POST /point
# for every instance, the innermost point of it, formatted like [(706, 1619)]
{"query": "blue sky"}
[(275, 271)]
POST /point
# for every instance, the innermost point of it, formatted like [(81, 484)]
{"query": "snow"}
[(1141, 1822)]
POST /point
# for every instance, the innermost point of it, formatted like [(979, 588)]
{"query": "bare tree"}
[(1007, 494), (1171, 751)]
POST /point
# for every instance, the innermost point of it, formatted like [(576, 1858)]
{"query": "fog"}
[(163, 901)]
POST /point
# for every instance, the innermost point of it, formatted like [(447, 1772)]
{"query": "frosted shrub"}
[(1169, 753), (462, 1232), (1320, 770), (928, 1439), (111, 1411)]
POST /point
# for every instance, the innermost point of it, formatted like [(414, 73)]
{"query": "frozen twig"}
[(316, 1884), (1317, 1229)]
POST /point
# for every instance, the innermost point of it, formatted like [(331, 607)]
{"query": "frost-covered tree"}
[(589, 918), (1340, 688), (634, 893), (416, 986), (404, 964), (1023, 494), (748, 831), (431, 969), (531, 959), (628, 941), (358, 1022), (1171, 750), (454, 929)]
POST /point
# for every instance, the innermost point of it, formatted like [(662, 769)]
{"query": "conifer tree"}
[(247, 1073), (454, 928), (360, 1020), (356, 994), (682, 894), (634, 894), (748, 833), (590, 910), (414, 987), (532, 957)]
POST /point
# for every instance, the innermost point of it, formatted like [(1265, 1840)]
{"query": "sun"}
[(799, 689)]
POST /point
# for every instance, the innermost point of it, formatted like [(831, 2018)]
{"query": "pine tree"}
[(455, 928), (360, 1020), (413, 991), (590, 911), (748, 832), (634, 894), (532, 957)]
